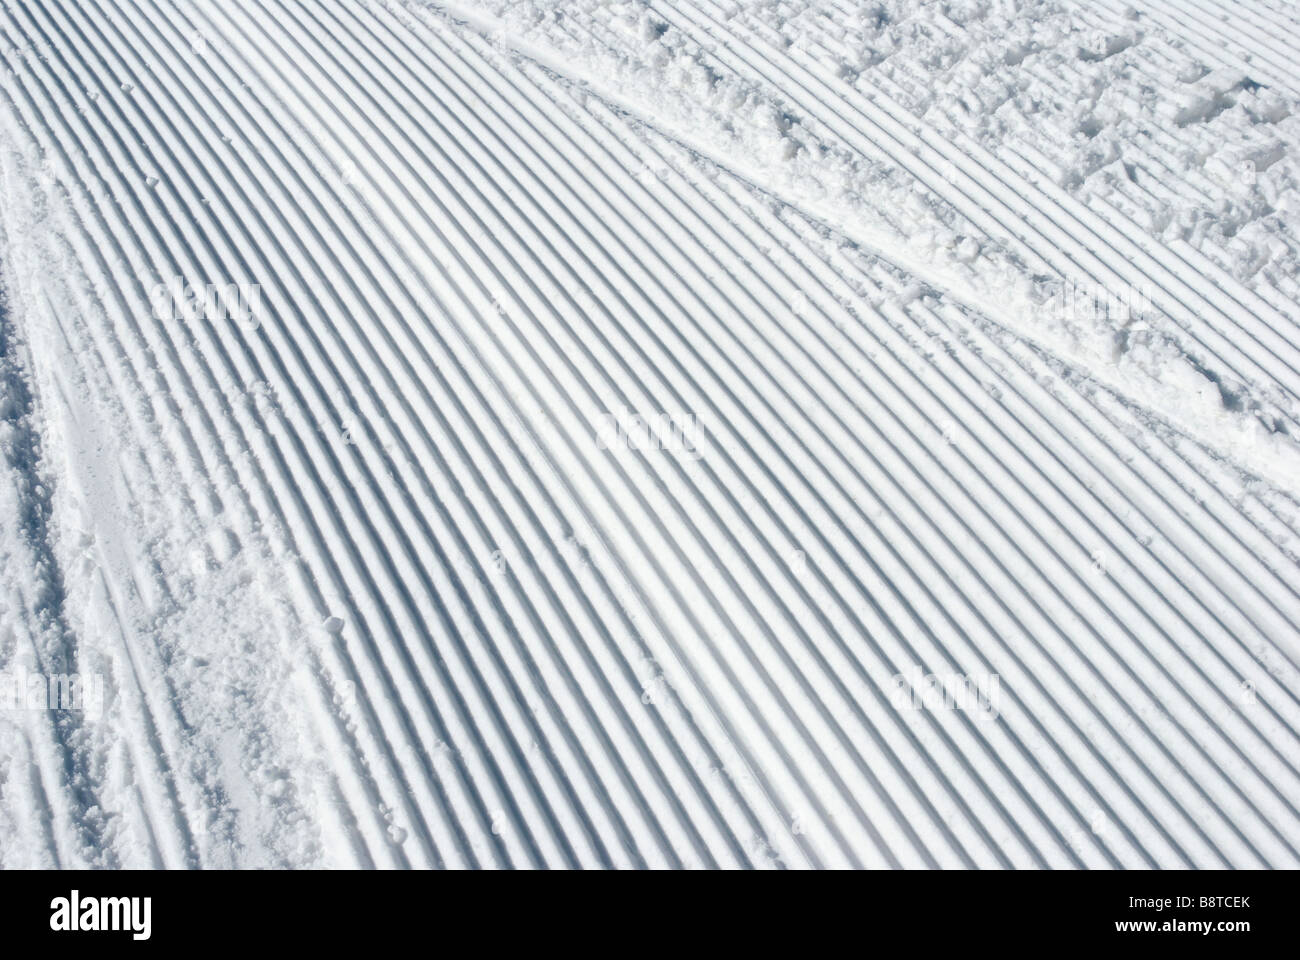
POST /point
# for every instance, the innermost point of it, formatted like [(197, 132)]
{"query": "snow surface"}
[(574, 433)]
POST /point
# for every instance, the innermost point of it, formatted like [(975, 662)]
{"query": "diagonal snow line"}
[(493, 604)]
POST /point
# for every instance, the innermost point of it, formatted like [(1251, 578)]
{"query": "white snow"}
[(672, 433)]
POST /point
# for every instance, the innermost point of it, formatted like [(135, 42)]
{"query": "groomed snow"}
[(674, 433)]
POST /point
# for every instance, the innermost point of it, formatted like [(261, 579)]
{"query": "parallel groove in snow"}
[(126, 318), (1032, 216), (1208, 33), (678, 662)]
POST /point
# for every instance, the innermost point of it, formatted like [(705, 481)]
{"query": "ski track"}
[(463, 632)]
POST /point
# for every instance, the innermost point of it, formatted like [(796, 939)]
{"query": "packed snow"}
[(671, 433)]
